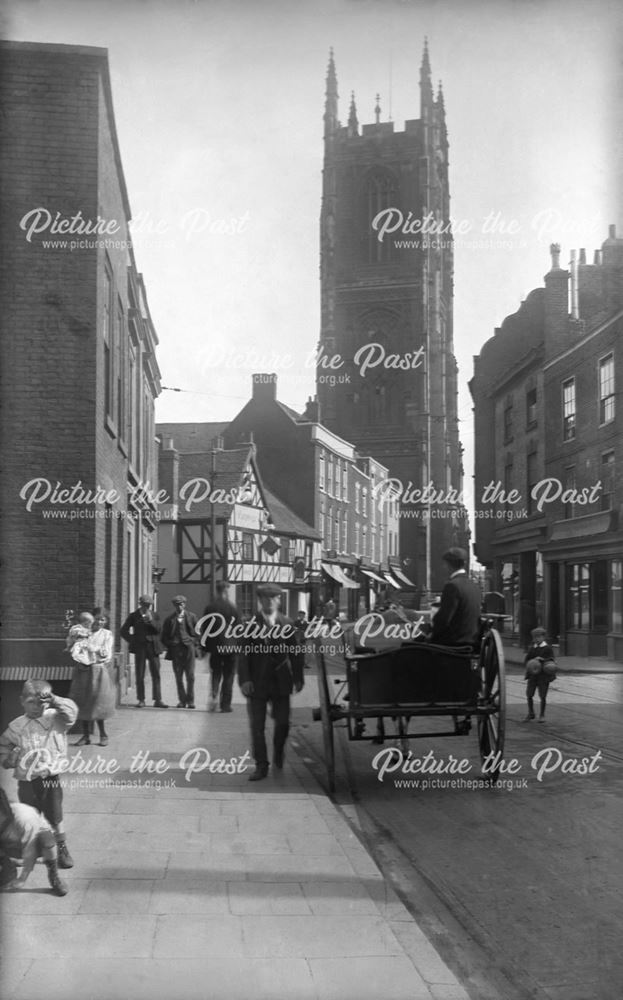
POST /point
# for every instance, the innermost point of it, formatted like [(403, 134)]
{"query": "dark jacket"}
[(168, 630), (273, 665), (142, 635), (232, 616), (457, 623)]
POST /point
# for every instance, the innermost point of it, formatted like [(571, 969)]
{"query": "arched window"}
[(379, 193)]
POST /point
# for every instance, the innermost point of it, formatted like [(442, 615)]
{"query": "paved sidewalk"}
[(211, 888), (514, 655)]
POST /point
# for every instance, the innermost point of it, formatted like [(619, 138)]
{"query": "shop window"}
[(578, 586)]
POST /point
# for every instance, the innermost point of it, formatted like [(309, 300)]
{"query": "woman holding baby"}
[(90, 644)]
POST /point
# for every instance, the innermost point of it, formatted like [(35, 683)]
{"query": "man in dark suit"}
[(223, 651), (269, 667), (457, 622), (179, 638), (141, 630)]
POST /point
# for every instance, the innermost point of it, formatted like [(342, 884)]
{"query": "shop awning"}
[(331, 571), (373, 575), (337, 573), (346, 580), (393, 582), (400, 575)]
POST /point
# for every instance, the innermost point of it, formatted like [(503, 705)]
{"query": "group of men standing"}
[(270, 665)]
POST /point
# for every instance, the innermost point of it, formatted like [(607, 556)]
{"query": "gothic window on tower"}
[(379, 194)]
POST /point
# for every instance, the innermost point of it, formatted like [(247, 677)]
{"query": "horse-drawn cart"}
[(417, 680)]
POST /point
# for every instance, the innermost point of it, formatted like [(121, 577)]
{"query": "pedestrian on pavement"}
[(329, 611), (92, 688), (26, 834), (457, 620), (141, 630), (269, 667), (223, 651), (179, 637), (540, 671), (35, 746)]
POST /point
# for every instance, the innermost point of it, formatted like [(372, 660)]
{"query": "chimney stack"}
[(265, 386)]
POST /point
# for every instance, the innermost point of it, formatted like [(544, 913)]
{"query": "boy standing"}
[(35, 745), (540, 670)]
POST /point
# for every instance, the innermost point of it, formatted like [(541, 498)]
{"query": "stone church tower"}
[(386, 309)]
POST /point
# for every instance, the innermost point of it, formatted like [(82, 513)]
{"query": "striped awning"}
[(373, 575), (337, 573), (401, 576), (390, 579)]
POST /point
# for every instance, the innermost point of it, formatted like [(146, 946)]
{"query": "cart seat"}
[(416, 674)]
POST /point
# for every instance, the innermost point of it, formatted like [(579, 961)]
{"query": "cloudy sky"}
[(219, 109)]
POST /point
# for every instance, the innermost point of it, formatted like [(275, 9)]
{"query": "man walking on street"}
[(141, 630), (179, 638), (223, 651), (270, 666)]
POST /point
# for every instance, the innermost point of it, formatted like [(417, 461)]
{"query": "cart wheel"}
[(492, 699), (327, 721)]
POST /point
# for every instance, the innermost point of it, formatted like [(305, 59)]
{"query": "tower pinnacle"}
[(353, 124), (331, 97), (426, 85)]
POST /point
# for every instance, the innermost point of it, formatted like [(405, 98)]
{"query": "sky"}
[(219, 105)]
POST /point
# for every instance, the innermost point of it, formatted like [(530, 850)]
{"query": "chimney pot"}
[(554, 250), (612, 232), (597, 258), (583, 256)]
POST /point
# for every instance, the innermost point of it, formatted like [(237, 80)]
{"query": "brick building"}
[(79, 373), (386, 271), (548, 425)]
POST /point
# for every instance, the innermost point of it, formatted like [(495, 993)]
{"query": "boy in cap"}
[(540, 671), (179, 636), (269, 668), (35, 745), (141, 630)]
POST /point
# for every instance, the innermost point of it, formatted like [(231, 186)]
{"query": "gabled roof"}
[(286, 522), (229, 470), (191, 438)]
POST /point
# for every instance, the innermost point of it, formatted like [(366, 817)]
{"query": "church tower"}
[(386, 271)]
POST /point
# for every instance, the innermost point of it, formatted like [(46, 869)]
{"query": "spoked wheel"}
[(492, 700), (326, 719)]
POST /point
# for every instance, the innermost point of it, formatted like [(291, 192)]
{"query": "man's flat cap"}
[(455, 555), (178, 599), (145, 599), (269, 590)]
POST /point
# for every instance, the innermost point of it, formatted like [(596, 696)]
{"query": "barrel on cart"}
[(413, 681)]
